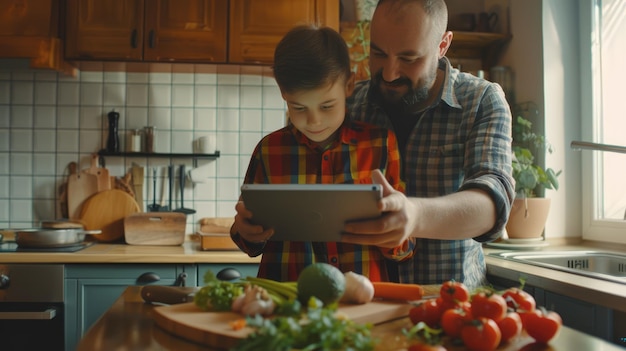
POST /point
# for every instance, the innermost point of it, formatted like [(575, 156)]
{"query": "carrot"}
[(238, 324), (398, 291)]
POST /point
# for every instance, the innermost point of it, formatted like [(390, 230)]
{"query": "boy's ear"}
[(350, 84)]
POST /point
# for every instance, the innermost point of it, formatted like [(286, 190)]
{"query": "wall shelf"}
[(194, 156)]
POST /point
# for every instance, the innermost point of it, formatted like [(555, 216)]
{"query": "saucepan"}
[(42, 237)]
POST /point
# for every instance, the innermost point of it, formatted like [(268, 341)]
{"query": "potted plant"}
[(530, 211)]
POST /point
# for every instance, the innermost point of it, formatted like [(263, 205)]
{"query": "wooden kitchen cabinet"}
[(147, 30), (257, 26), (90, 289)]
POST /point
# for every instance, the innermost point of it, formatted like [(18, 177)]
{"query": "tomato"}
[(510, 326), (541, 325), (426, 347), (481, 334), (518, 299), (489, 305), (454, 291), (453, 320), (427, 311)]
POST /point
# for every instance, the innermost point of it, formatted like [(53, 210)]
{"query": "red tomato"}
[(426, 347), (518, 299), (454, 291), (541, 325), (489, 305), (510, 326), (481, 334), (453, 320), (427, 311)]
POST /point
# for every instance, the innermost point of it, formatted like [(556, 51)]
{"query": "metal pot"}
[(41, 237)]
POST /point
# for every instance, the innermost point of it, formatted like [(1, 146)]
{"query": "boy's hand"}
[(392, 228), (253, 233)]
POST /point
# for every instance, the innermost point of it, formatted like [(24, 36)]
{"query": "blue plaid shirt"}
[(462, 141)]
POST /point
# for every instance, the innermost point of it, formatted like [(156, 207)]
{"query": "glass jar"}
[(148, 132)]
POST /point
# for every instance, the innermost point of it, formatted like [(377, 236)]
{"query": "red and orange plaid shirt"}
[(287, 156)]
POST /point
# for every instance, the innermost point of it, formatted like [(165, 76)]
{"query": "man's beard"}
[(403, 103)]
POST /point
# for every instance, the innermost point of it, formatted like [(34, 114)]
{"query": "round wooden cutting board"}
[(106, 211)]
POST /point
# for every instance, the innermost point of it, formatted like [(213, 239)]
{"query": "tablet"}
[(310, 212)]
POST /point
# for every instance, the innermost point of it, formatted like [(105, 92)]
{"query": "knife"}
[(168, 295)]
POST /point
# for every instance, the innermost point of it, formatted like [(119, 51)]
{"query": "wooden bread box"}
[(214, 234)]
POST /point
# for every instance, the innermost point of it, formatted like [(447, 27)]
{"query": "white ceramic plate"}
[(525, 246), (522, 240)]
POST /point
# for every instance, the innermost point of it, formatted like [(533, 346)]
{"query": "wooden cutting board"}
[(213, 328), (106, 211), (155, 228), (80, 186), (101, 174)]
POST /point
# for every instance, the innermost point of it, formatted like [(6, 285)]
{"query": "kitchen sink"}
[(596, 264)]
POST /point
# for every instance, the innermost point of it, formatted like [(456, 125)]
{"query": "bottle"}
[(134, 143), (113, 142), (148, 139)]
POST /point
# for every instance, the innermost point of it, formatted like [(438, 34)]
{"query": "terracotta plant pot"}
[(528, 218)]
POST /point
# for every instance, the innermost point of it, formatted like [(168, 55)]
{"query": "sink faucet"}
[(579, 145)]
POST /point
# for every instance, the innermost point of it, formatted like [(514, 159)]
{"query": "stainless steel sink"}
[(597, 264)]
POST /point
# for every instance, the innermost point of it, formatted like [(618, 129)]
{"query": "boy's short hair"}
[(309, 57)]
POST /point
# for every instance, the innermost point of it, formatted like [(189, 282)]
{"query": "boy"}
[(312, 69)]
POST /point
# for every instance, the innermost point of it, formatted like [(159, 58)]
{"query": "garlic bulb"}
[(359, 289), (254, 300)]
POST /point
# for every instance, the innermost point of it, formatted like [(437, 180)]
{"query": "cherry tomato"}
[(427, 311), (518, 299), (510, 326), (454, 291), (481, 334), (541, 325), (489, 305), (426, 347), (453, 320)]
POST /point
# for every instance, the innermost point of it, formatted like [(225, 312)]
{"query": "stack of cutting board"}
[(93, 200)]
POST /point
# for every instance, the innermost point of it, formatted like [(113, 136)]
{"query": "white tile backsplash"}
[(48, 120)]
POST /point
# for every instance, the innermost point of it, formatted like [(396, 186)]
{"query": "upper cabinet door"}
[(104, 29), (257, 26), (186, 30)]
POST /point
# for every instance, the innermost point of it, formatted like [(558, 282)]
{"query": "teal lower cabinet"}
[(602, 322), (243, 269), (91, 289)]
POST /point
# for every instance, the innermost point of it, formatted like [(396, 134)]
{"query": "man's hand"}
[(250, 232), (395, 225)]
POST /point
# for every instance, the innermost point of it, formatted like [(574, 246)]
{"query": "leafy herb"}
[(217, 295), (318, 329)]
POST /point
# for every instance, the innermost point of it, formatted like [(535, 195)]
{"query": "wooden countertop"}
[(129, 325), (189, 252)]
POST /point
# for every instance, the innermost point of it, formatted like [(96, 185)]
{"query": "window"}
[(603, 48)]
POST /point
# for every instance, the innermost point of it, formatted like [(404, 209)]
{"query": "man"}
[(454, 135)]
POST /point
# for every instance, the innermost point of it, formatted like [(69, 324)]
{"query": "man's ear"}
[(445, 43), (350, 84)]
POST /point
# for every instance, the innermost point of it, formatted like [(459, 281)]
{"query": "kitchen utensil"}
[(106, 211), (170, 178), (171, 295), (154, 207), (101, 173), (181, 180), (40, 237), (62, 192), (164, 208), (80, 186), (213, 328), (62, 224), (155, 228), (138, 176)]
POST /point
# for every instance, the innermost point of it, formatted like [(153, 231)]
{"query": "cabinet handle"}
[(181, 280), (151, 38), (148, 277), (133, 39)]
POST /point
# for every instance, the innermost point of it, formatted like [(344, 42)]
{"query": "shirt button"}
[(325, 157), (333, 260)]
